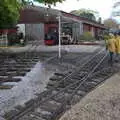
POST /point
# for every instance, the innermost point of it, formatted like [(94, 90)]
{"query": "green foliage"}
[(87, 36), (106, 37), (26, 2), (116, 11), (111, 24), (9, 13), (89, 14), (49, 1)]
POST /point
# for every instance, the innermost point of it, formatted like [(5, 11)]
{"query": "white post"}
[(59, 36), (6, 40)]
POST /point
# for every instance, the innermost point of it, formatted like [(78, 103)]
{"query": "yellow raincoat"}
[(112, 45), (117, 43)]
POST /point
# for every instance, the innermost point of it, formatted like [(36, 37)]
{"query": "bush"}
[(87, 36), (106, 37)]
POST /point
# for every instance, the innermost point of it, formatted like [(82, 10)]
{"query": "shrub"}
[(106, 37), (87, 36)]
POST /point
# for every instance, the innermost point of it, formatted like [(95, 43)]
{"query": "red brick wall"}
[(30, 16), (9, 31), (47, 27), (86, 27)]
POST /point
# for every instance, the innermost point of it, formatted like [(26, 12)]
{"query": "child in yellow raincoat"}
[(111, 45)]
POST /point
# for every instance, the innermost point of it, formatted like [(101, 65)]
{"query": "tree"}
[(9, 13), (89, 14), (9, 10), (48, 2), (116, 12), (111, 24)]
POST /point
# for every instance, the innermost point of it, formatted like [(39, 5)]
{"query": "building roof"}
[(36, 14)]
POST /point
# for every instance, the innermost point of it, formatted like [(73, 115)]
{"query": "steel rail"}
[(37, 103), (88, 76)]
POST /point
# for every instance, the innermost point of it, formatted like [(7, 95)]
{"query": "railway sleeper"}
[(35, 116), (81, 73), (90, 83), (60, 74), (43, 95), (75, 99), (10, 114), (3, 74), (20, 107), (71, 80), (83, 88), (55, 78), (29, 103), (13, 73), (63, 85), (13, 69), (20, 73), (97, 80), (41, 114), (81, 93), (27, 117), (77, 78), (62, 98), (52, 84), (6, 86), (51, 106), (9, 80)]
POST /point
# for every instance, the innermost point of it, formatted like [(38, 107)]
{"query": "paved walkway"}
[(101, 104)]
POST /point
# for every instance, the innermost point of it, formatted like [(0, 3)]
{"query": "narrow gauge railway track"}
[(50, 104), (13, 65), (22, 62), (19, 64)]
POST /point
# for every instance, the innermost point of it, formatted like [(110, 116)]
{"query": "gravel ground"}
[(42, 48), (101, 104), (36, 80)]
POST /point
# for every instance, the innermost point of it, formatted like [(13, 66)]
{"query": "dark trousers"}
[(111, 56)]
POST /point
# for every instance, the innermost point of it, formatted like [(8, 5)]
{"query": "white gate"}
[(3, 40)]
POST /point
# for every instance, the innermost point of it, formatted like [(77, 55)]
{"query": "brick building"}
[(38, 21)]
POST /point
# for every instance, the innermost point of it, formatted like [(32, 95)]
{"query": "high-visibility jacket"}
[(117, 43), (112, 45)]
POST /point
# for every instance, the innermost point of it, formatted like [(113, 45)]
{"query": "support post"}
[(59, 18)]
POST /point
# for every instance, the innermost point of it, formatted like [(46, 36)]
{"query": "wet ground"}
[(36, 80), (33, 82)]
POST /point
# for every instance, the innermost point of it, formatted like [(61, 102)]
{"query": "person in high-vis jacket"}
[(111, 45), (117, 45)]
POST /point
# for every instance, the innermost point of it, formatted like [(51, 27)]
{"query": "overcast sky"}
[(104, 7)]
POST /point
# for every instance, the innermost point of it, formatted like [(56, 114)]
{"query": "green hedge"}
[(87, 36)]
